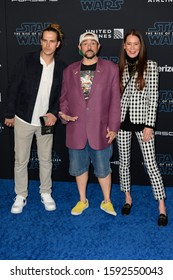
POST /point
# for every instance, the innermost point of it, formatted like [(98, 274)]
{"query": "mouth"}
[(132, 54)]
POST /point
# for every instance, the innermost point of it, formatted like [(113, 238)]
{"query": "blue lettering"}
[(29, 33), (101, 5), (161, 34)]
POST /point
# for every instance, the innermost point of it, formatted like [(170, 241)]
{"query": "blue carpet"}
[(40, 235)]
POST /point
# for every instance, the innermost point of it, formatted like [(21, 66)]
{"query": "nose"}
[(89, 46), (47, 44), (132, 47)]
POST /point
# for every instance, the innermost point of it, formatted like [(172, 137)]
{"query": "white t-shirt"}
[(42, 100)]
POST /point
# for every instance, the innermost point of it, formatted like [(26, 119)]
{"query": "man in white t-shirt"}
[(33, 92)]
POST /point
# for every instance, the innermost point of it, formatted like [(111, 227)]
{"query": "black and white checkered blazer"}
[(142, 104)]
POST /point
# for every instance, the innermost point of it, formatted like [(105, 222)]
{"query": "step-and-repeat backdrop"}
[(20, 24)]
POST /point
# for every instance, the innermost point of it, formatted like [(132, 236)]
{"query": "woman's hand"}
[(147, 134)]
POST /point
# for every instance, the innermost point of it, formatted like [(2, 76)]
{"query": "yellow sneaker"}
[(108, 208), (80, 207)]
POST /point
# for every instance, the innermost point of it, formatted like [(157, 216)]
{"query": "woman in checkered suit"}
[(139, 101)]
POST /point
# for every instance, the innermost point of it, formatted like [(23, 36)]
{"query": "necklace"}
[(132, 64), (132, 67)]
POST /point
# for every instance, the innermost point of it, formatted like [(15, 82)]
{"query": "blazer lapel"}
[(96, 80), (126, 78), (77, 80), (126, 75)]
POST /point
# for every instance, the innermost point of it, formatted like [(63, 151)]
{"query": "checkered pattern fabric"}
[(142, 104), (148, 151)]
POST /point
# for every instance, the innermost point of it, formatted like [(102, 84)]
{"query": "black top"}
[(91, 67), (127, 125)]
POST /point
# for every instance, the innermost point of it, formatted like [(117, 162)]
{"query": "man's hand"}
[(50, 119), (111, 135), (9, 122), (67, 118)]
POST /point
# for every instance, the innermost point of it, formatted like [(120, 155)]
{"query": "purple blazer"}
[(101, 111)]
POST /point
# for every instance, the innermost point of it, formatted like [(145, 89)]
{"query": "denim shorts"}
[(80, 161)]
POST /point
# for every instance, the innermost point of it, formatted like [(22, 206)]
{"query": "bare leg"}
[(162, 208), (163, 218), (83, 203), (105, 184), (82, 184), (106, 205), (128, 198)]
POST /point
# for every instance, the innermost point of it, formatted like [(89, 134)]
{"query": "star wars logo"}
[(165, 101), (29, 33), (161, 34), (160, 1), (34, 1), (101, 5), (34, 161), (165, 163)]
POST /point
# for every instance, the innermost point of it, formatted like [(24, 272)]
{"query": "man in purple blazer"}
[(90, 107)]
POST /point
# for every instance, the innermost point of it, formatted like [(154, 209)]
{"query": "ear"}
[(58, 44), (80, 51)]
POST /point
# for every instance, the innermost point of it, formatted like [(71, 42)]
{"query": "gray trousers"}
[(23, 140), (148, 152)]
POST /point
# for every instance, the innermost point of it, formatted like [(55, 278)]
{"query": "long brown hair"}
[(142, 60)]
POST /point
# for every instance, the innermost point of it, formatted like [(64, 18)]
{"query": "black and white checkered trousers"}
[(148, 152)]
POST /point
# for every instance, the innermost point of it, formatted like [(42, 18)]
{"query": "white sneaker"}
[(18, 205), (48, 201)]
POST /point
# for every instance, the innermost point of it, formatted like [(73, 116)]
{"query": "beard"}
[(89, 56)]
